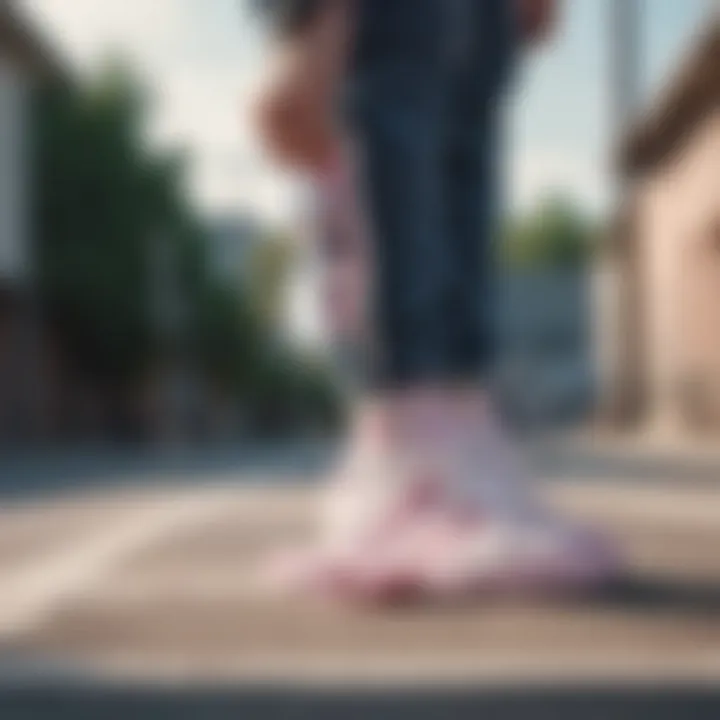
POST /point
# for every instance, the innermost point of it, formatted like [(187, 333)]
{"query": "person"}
[(394, 107)]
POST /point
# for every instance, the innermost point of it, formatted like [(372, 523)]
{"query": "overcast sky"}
[(201, 56)]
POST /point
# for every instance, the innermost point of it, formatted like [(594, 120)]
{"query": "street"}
[(141, 579)]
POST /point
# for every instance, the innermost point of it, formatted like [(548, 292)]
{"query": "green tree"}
[(102, 197), (108, 203), (270, 265), (555, 234)]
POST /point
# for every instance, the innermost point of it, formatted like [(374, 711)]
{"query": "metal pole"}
[(616, 277), (625, 69)]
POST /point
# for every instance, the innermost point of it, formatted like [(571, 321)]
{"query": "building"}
[(664, 259), (25, 63), (544, 362), (233, 238)]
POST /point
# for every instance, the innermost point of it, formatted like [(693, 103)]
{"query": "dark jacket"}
[(288, 16), (498, 36)]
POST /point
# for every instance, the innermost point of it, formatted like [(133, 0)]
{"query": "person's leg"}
[(507, 539), (396, 102), (473, 166), (396, 108), (422, 130), (473, 183)]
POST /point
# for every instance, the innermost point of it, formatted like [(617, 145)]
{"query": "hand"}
[(538, 19), (294, 119), (295, 113)]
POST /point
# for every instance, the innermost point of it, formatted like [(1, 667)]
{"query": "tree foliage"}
[(556, 234), (102, 197), (109, 206)]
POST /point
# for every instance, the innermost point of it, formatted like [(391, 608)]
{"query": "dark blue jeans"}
[(423, 110)]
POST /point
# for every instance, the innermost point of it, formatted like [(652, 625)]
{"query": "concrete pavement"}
[(109, 588), (155, 585)]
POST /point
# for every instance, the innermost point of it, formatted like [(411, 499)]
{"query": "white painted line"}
[(621, 668), (30, 595), (672, 507)]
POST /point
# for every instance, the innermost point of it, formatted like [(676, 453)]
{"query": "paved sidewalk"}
[(152, 585)]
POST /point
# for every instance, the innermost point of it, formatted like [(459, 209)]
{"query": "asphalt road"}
[(654, 703)]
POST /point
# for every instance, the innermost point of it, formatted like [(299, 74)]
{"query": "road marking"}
[(30, 596), (623, 669), (673, 507)]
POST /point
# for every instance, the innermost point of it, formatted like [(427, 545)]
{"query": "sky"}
[(201, 58)]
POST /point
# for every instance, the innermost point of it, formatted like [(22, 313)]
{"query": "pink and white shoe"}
[(511, 543), (381, 519), (442, 521), (506, 558), (377, 563)]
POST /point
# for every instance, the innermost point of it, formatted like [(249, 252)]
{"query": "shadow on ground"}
[(595, 703), (646, 594), (635, 594)]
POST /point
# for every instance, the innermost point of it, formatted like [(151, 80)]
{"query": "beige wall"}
[(679, 208)]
